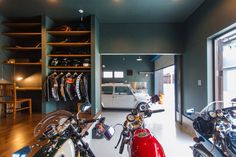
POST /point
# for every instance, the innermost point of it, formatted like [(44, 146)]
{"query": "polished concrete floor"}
[(175, 142), (173, 137)]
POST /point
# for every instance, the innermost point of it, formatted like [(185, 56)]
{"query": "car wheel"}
[(142, 106)]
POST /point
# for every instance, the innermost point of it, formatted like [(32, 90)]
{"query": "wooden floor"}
[(15, 134)]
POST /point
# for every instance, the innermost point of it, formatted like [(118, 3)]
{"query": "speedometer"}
[(130, 117)]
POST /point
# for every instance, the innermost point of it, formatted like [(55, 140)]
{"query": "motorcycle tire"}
[(196, 153)]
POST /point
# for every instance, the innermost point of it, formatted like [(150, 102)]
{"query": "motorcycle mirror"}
[(155, 98), (109, 132), (23, 152)]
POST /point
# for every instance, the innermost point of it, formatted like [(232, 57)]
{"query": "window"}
[(119, 74), (107, 74), (107, 90), (225, 66), (123, 91)]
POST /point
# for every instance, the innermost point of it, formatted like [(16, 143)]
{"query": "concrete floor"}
[(174, 140), (162, 125)]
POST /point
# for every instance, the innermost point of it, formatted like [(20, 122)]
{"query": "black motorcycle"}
[(60, 134), (215, 128)]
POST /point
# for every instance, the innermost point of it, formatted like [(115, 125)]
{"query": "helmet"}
[(65, 62), (54, 62)]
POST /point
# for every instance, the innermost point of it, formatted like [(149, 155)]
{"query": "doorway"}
[(165, 87), (225, 67)]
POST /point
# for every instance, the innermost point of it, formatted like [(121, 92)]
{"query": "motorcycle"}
[(215, 128), (140, 142), (60, 134)]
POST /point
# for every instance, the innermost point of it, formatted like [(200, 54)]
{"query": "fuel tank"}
[(144, 144)]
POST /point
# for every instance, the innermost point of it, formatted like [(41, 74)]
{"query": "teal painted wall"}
[(210, 18), (118, 63), (6, 71), (141, 38), (96, 64)]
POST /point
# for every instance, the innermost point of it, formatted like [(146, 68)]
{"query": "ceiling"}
[(107, 11)]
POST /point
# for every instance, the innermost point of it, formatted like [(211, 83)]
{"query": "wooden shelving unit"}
[(25, 63), (69, 33), (69, 55), (68, 67), (22, 34), (69, 44), (29, 88)]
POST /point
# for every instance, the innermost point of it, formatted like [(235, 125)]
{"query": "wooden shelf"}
[(23, 34), (23, 48), (21, 24), (25, 63), (72, 44), (68, 67), (69, 55), (28, 88), (68, 33)]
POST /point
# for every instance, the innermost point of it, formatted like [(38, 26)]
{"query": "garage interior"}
[(185, 46)]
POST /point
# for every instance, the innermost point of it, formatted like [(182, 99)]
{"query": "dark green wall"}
[(6, 71), (210, 18), (141, 38), (118, 63)]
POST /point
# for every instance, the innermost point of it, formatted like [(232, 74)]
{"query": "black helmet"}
[(54, 62), (65, 62)]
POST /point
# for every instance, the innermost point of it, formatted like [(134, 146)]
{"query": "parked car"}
[(123, 96)]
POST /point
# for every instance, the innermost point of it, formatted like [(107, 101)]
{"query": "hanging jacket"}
[(77, 86), (84, 90), (69, 85), (52, 87), (62, 87)]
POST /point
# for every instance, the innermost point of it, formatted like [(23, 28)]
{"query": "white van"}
[(123, 96)]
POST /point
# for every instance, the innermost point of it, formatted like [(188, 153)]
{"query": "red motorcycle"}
[(140, 142)]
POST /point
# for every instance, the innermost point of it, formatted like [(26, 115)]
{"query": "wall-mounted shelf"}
[(28, 88), (68, 67), (68, 33), (25, 63), (72, 44), (69, 55), (21, 24), (23, 34), (23, 48)]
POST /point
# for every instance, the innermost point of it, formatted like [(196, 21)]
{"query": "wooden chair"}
[(8, 96)]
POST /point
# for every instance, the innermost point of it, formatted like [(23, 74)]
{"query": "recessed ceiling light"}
[(81, 11)]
